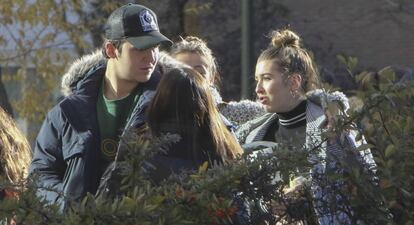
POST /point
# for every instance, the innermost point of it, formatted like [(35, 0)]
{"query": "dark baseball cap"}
[(137, 24)]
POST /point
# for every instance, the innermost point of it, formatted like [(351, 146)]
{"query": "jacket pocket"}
[(77, 146)]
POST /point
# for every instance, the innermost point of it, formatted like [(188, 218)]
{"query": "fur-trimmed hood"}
[(316, 114), (246, 110), (81, 66), (322, 98)]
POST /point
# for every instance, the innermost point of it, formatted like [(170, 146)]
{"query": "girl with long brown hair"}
[(183, 104)]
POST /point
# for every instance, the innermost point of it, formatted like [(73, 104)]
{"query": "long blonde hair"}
[(15, 152)]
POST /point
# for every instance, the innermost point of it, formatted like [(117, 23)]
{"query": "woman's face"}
[(272, 88), (197, 62)]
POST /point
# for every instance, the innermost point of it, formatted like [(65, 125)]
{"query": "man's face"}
[(135, 65)]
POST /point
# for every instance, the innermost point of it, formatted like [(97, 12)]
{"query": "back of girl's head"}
[(192, 44), (183, 98), (285, 50), (15, 153), (181, 95)]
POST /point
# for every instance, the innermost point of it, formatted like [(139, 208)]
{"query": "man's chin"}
[(143, 78)]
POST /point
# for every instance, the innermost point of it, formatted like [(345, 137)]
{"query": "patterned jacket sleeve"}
[(241, 112)]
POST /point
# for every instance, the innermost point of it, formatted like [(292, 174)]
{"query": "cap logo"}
[(147, 21)]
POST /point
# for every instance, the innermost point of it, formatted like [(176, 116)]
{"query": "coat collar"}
[(84, 65), (80, 107), (81, 84)]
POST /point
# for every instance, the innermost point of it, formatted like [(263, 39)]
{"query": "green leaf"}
[(390, 163), (408, 124), (352, 63), (349, 61), (342, 59), (389, 151), (128, 203), (387, 73), (203, 167), (157, 200)]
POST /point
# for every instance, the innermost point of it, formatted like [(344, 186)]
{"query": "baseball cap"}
[(137, 24)]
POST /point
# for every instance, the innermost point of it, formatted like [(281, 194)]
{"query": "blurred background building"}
[(39, 39)]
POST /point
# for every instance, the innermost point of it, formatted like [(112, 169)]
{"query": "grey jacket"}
[(325, 160)]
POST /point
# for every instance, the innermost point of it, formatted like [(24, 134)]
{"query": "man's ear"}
[(295, 82), (110, 50)]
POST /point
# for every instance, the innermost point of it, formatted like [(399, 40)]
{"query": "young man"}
[(79, 137)]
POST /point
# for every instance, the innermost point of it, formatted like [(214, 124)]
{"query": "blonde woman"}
[(287, 87), (194, 52), (15, 154)]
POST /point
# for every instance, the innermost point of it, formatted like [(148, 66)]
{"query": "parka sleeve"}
[(47, 167)]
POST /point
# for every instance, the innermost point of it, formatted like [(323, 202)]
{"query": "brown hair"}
[(192, 44), (291, 58), (116, 43), (15, 153), (183, 98)]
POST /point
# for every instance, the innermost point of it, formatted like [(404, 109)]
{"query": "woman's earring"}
[(293, 93)]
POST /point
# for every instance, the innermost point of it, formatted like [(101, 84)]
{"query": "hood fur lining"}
[(81, 66)]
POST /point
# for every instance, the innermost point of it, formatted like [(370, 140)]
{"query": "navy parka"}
[(66, 157)]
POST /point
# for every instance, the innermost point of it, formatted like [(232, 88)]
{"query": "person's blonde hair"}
[(192, 44), (15, 152), (285, 49)]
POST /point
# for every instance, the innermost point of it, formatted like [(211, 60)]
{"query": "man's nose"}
[(151, 54)]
